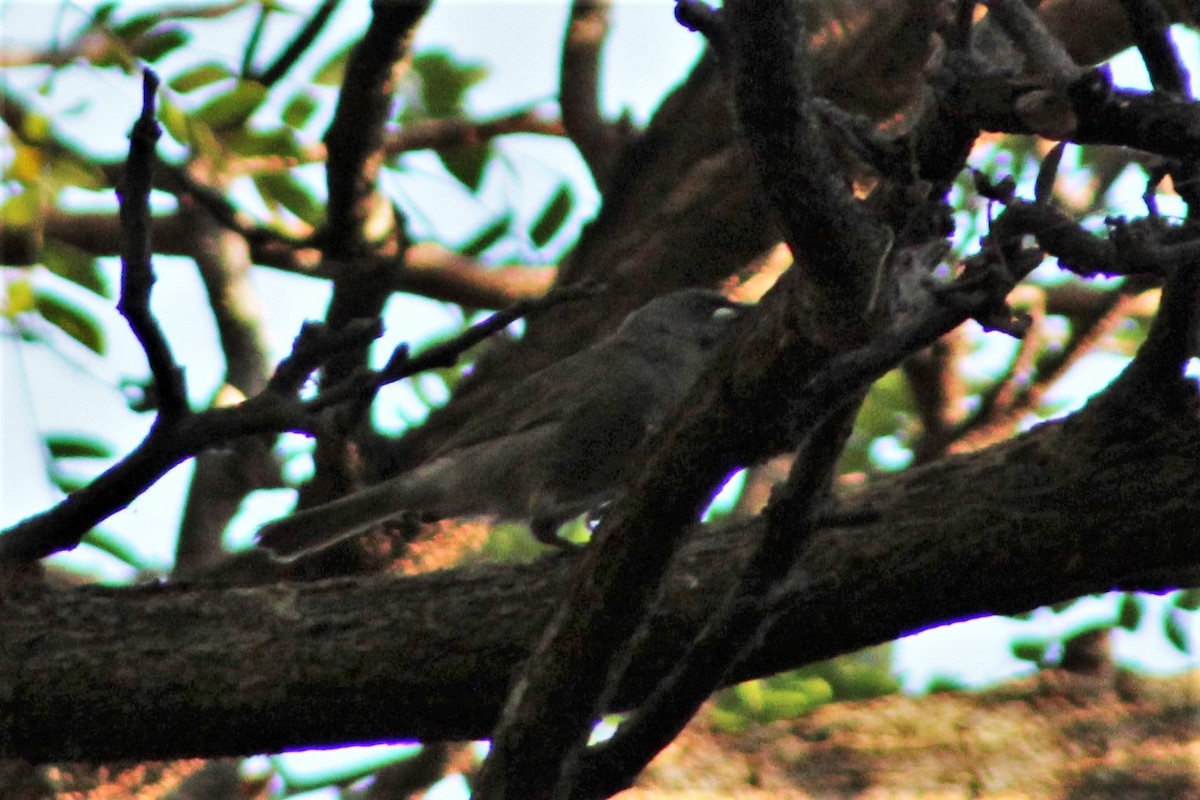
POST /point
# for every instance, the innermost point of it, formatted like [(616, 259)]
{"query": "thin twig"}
[(436, 134), (299, 45), (274, 410), (137, 273), (698, 16), (987, 426), (364, 384)]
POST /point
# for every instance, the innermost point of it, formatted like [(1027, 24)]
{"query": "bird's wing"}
[(543, 398)]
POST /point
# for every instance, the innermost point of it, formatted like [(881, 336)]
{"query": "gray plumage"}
[(550, 447)]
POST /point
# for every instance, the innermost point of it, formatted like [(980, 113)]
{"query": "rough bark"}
[(1107, 498)]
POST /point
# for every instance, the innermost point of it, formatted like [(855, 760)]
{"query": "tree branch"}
[(274, 410), (1150, 26), (842, 246), (298, 46), (137, 273), (223, 477), (1098, 112), (1045, 56), (453, 132), (386, 659), (790, 525), (579, 88), (731, 418), (363, 227), (355, 139)]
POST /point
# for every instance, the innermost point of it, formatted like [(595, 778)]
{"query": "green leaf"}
[(944, 683), (175, 120), (778, 697), (1187, 600), (203, 140), (277, 7), (103, 13), (487, 236), (466, 163), (280, 142), (18, 297), (856, 676), (284, 189), (333, 71), (893, 389), (154, 46), (19, 210), (68, 170), (782, 704), (78, 445), (71, 319), (27, 165), (751, 694), (1029, 650), (445, 81), (553, 216), (134, 27), (881, 413), (115, 546), (115, 55), (856, 457), (67, 482), (36, 128), (199, 76), (1129, 614), (299, 110), (78, 266), (232, 108), (727, 721), (1174, 626)]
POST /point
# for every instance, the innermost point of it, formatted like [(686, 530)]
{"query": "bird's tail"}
[(321, 526)]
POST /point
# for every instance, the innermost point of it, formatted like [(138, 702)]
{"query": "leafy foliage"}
[(859, 676), (441, 89)]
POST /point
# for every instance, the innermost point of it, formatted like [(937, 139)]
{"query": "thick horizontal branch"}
[(428, 269), (1077, 506), (1089, 111)]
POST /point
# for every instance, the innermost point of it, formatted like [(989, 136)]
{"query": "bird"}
[(552, 446)]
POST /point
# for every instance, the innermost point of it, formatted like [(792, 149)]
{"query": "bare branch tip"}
[(698, 16), (150, 84)]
